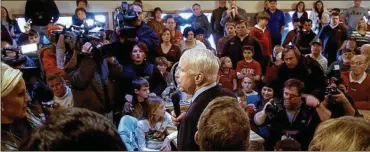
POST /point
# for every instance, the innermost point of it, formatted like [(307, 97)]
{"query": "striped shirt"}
[(361, 39)]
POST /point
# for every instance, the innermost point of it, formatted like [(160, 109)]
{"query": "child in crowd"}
[(248, 85), (162, 64), (278, 49), (136, 104), (151, 128), (248, 66), (81, 15), (226, 75)]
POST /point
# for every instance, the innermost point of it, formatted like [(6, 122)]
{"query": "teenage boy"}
[(263, 35), (230, 33)]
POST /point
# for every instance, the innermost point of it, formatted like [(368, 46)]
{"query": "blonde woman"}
[(361, 35), (342, 134)]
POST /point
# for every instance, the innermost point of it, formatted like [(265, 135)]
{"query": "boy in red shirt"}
[(248, 66), (263, 35)]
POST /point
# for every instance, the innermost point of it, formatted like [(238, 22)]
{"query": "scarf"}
[(9, 79)]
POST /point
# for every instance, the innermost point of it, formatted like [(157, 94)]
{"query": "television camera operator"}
[(91, 78), (296, 117), (130, 27)]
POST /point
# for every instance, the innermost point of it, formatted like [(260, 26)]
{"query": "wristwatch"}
[(318, 104)]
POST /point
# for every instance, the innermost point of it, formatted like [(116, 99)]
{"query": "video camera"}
[(124, 19), (76, 36), (273, 109), (15, 56)]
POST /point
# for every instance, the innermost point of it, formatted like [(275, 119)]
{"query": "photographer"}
[(91, 80), (298, 117), (337, 101), (144, 32)]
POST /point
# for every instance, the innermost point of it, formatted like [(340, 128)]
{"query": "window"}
[(66, 20)]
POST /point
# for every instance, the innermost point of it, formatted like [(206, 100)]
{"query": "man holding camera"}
[(91, 81), (337, 100), (297, 118)]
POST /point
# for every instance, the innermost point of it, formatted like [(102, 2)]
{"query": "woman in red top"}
[(226, 75), (171, 52)]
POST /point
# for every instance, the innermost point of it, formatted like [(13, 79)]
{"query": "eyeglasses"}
[(358, 63)]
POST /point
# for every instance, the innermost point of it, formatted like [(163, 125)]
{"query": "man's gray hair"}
[(202, 61)]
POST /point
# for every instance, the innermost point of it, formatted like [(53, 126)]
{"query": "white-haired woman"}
[(14, 101)]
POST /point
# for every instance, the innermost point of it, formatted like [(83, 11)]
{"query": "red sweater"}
[(264, 37), (359, 92)]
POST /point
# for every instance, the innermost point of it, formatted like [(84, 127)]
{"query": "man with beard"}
[(297, 117)]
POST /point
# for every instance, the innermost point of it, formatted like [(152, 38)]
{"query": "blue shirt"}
[(277, 20), (76, 21)]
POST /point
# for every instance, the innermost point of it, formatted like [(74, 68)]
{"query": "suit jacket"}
[(188, 125)]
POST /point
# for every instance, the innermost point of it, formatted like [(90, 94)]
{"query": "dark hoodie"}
[(303, 41)]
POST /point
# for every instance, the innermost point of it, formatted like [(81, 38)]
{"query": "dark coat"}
[(91, 89), (188, 125), (308, 71), (233, 49)]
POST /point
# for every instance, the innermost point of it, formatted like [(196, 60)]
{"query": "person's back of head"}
[(256, 146), (223, 125), (287, 144), (74, 129), (342, 134)]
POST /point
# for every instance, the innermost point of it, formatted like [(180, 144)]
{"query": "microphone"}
[(175, 97)]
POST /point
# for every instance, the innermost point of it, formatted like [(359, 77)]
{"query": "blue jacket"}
[(76, 21), (128, 131), (146, 34)]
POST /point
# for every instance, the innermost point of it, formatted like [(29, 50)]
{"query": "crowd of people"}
[(304, 91)]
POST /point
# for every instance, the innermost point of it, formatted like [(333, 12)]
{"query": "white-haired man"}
[(365, 50), (197, 76)]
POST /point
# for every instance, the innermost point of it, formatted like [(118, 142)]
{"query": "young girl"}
[(226, 75), (151, 128), (163, 64)]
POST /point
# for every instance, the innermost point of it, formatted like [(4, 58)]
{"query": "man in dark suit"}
[(197, 76)]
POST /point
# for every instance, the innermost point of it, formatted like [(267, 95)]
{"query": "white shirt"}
[(67, 100), (299, 14), (144, 127), (263, 29), (364, 75), (322, 61), (198, 45)]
